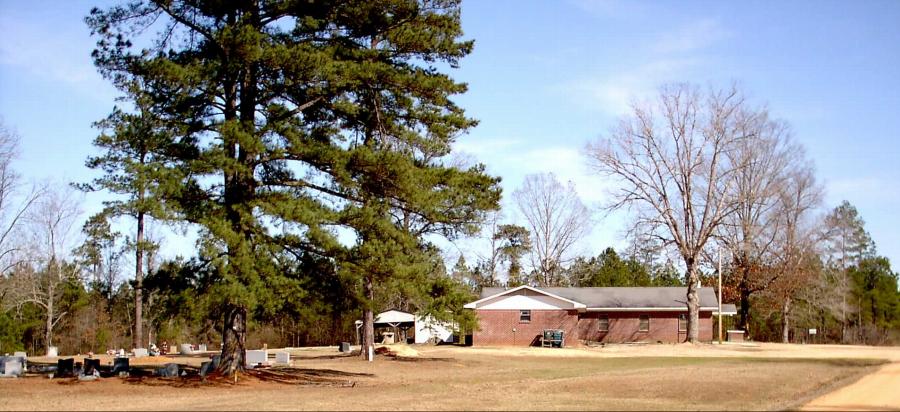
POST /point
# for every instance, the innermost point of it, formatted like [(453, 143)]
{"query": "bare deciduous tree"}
[(671, 158), (750, 232), (39, 278), (797, 259), (557, 219), (12, 206)]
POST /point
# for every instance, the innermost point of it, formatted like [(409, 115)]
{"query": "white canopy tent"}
[(394, 317), (425, 328)]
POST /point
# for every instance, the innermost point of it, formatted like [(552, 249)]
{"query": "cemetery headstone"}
[(24, 357), (202, 347), (140, 352), (283, 358), (185, 349), (256, 357), (52, 352), (65, 368), (12, 367), (345, 347), (91, 365), (120, 365), (168, 371), (206, 368)]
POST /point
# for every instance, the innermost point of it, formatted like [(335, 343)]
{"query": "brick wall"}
[(624, 327), (497, 327)]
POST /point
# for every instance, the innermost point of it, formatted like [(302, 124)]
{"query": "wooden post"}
[(720, 295)]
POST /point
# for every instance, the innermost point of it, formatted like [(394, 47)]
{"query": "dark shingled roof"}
[(631, 297)]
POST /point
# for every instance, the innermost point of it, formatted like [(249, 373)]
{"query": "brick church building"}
[(518, 316)]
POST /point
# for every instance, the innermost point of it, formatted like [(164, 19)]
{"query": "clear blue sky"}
[(548, 76)]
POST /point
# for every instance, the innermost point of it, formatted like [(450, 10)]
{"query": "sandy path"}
[(748, 350), (876, 391)]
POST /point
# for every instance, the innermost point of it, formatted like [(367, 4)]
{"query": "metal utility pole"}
[(720, 295)]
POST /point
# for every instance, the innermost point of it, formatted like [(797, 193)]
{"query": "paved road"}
[(879, 391)]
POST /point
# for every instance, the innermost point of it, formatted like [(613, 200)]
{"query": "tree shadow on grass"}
[(308, 377), (285, 375), (325, 373), (335, 356), (190, 381)]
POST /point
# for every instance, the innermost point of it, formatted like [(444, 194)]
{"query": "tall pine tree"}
[(134, 165), (295, 119)]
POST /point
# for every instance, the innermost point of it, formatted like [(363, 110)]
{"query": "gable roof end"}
[(474, 305)]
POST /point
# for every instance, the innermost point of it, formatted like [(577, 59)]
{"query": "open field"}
[(444, 377)]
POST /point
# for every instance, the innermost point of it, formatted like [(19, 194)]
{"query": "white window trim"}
[(600, 327), (640, 320), (521, 312)]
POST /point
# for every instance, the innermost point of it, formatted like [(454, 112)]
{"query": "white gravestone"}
[(140, 352), (202, 348), (52, 352), (185, 349), (255, 357), (24, 357), (283, 358), (13, 368)]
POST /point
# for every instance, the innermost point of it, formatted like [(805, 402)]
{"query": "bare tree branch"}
[(557, 219)]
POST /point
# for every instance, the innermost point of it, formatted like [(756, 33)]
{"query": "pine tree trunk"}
[(234, 335), (786, 321), (139, 283), (368, 320), (693, 301)]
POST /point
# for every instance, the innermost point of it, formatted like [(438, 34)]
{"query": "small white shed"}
[(430, 330), (425, 329)]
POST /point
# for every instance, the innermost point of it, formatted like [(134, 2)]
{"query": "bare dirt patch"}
[(875, 391), (444, 377)]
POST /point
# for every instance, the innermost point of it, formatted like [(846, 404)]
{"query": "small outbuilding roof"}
[(394, 317), (727, 309), (625, 298)]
